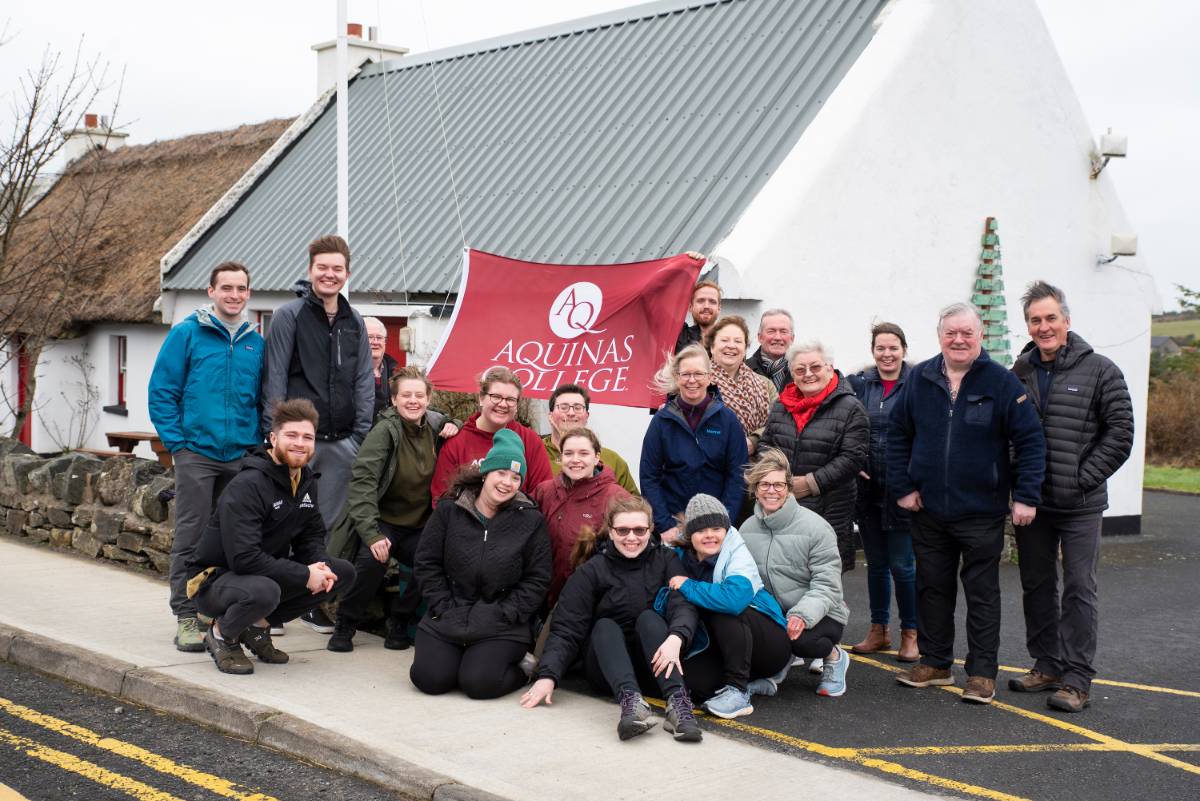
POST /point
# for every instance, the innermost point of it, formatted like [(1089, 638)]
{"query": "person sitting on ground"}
[(499, 394), (606, 614), (261, 560), (823, 428), (570, 408), (483, 564), (576, 498), (747, 631), (388, 505), (694, 443), (797, 556), (748, 394)]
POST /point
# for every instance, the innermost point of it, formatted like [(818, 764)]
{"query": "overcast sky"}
[(193, 67)]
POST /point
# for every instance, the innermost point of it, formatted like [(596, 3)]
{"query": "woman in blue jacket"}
[(883, 525), (694, 443), (746, 628)]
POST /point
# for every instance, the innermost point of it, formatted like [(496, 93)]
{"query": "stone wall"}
[(106, 508)]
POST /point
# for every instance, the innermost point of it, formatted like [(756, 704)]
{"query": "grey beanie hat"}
[(704, 511)]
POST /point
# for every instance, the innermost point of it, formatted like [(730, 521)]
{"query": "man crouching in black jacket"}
[(261, 560)]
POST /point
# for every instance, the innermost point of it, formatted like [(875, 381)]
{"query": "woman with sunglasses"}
[(823, 429), (606, 614), (499, 394)]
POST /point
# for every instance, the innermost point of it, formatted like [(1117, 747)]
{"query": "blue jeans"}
[(889, 557)]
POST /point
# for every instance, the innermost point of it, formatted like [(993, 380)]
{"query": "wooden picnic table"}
[(126, 441)]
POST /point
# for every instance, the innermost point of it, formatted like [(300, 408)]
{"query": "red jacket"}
[(567, 509), (472, 443)]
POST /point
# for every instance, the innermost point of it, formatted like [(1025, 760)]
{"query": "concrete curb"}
[(256, 723)]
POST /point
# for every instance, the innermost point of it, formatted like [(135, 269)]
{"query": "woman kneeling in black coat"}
[(607, 612), (484, 566)]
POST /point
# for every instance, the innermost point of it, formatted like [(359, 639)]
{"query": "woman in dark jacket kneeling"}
[(606, 612), (483, 565), (823, 429)]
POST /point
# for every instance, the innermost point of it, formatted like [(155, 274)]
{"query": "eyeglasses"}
[(503, 400), (773, 486), (805, 369), (625, 531), (693, 376), (376, 339), (569, 407)]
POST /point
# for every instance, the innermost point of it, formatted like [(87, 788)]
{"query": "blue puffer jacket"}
[(957, 454), (678, 463), (735, 584), (204, 388)]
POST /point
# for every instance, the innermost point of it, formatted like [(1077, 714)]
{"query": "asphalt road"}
[(1149, 587), (170, 758)]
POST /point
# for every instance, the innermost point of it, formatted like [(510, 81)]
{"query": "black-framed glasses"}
[(569, 407), (502, 400), (774, 486)]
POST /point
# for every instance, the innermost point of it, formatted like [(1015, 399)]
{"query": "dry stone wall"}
[(114, 508)]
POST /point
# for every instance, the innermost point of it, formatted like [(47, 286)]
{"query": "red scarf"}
[(803, 408)]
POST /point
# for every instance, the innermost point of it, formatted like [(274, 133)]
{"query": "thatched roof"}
[(149, 197)]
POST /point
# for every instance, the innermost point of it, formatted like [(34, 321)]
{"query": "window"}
[(117, 350), (264, 322)]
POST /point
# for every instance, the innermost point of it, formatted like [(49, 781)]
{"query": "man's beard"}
[(292, 460)]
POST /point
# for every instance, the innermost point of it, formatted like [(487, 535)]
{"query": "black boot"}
[(342, 638), (396, 635)]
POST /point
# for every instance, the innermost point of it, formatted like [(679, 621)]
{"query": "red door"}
[(393, 326), (22, 378)]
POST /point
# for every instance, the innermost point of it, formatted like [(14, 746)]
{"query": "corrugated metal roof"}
[(614, 139)]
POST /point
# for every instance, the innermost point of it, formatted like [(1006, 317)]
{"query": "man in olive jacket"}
[(1088, 419)]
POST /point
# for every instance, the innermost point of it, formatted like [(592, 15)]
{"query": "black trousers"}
[(972, 549), (1061, 633), (818, 642), (237, 601), (741, 647), (369, 575), (615, 663), (483, 669)]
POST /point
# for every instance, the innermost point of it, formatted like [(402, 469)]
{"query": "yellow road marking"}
[(1150, 688), (162, 764), (89, 770), (1015, 748), (858, 757), (1113, 743)]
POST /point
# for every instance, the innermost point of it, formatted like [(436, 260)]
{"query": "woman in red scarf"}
[(822, 427)]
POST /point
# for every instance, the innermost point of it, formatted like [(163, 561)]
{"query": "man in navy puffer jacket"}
[(948, 464)]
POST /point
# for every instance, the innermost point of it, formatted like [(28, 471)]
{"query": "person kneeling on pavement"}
[(606, 614), (261, 560)]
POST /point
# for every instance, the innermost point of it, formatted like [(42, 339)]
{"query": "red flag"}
[(604, 327)]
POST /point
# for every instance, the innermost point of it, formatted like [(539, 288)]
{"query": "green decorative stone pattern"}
[(989, 295)]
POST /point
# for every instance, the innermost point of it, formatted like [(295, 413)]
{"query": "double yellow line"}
[(100, 775)]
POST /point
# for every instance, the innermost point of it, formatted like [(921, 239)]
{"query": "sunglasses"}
[(625, 531)]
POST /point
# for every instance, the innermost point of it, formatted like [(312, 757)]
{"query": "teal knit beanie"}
[(507, 453)]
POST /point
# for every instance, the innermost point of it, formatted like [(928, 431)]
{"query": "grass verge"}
[(1179, 479)]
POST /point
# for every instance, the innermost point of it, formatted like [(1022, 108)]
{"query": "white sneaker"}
[(816, 666), (278, 631)]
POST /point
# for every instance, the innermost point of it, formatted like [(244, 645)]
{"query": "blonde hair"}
[(498, 375), (769, 460), (666, 380)]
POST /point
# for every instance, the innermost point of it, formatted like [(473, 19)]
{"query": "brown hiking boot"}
[(925, 676), (877, 639), (979, 690), (259, 642), (1034, 682), (227, 655), (1069, 699), (908, 646)]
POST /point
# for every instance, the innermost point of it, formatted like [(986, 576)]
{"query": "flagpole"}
[(343, 132)]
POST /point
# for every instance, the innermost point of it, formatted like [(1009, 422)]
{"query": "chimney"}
[(95, 134), (361, 50)]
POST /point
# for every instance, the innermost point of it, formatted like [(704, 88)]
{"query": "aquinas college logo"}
[(576, 310)]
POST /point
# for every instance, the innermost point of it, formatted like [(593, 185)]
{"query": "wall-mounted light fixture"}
[(1120, 245), (1112, 146)]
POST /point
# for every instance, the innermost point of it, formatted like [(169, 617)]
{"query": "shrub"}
[(1173, 421)]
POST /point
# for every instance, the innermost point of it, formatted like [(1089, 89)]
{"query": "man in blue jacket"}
[(203, 401), (948, 463)]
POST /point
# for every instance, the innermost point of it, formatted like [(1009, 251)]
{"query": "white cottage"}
[(836, 157)]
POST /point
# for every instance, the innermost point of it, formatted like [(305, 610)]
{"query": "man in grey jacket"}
[(1088, 420), (317, 348)]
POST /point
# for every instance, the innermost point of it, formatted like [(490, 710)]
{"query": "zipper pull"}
[(485, 535)]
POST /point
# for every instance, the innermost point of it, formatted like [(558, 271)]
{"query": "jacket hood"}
[(302, 287), (671, 407), (590, 486), (1068, 356), (732, 544)]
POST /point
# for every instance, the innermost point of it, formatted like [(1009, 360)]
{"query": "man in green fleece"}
[(389, 501)]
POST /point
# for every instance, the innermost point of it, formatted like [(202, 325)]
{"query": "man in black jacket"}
[(1088, 419), (705, 309), (261, 560)]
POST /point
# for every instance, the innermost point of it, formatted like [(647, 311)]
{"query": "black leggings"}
[(818, 642), (483, 669), (615, 663), (370, 572), (742, 647)]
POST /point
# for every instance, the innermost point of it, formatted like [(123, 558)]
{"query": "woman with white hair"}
[(823, 429), (694, 443)]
